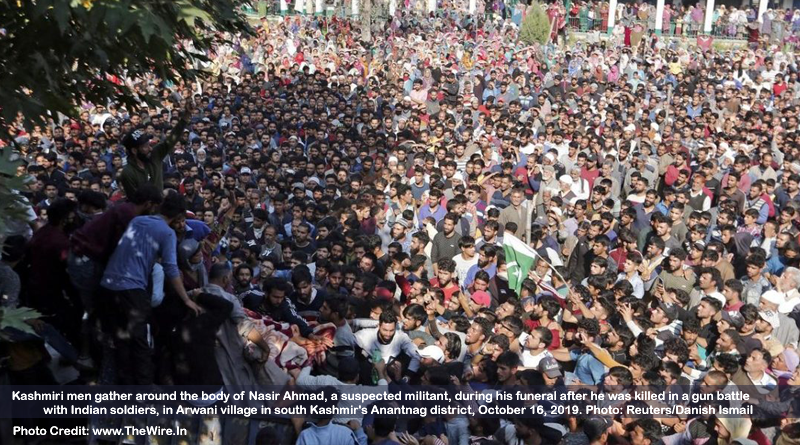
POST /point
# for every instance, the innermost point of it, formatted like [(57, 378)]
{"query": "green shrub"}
[(535, 27)]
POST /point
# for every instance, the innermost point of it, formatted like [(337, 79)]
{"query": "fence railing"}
[(586, 24), (675, 28)]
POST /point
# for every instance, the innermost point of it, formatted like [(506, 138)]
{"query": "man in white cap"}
[(455, 180), (580, 186), (548, 182), (787, 333), (767, 323), (565, 183), (788, 283), (431, 356), (400, 233), (312, 182)]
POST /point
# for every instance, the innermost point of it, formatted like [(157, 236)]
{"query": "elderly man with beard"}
[(144, 161), (786, 332)]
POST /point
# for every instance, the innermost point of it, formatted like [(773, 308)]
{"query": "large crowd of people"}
[(323, 211)]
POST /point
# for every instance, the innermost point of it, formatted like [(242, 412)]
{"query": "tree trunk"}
[(366, 20)]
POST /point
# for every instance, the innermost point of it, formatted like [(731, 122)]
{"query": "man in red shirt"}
[(446, 278), (590, 172), (779, 86)]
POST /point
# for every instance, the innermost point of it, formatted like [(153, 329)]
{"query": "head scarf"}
[(738, 427)]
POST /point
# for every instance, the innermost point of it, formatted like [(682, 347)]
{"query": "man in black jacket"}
[(576, 264), (450, 89)]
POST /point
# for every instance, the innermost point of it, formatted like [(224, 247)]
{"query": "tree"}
[(55, 54), (16, 318), (535, 27), (14, 209), (366, 20), (13, 206)]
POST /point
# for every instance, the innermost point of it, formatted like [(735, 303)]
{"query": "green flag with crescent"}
[(520, 257)]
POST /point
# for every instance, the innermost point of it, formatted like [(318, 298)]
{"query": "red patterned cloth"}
[(289, 354)]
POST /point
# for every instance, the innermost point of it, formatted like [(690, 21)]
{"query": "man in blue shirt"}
[(126, 281), (588, 369)]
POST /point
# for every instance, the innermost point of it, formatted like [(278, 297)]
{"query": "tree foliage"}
[(54, 54), (17, 318), (13, 206), (535, 28)]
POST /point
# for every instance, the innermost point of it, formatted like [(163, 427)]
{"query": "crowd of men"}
[(323, 211)]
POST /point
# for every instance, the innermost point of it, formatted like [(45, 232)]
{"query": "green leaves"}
[(9, 161), (189, 13), (148, 28), (13, 206), (535, 27), (56, 49), (56, 54), (62, 13), (17, 318)]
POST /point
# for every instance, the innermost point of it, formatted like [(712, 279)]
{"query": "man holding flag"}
[(520, 259)]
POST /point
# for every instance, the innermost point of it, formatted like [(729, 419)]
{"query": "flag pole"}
[(528, 212), (537, 255), (528, 223), (566, 283), (553, 268)]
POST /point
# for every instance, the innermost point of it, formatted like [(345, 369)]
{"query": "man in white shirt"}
[(466, 259), (631, 274), (788, 283), (753, 378), (535, 347), (388, 341), (768, 75)]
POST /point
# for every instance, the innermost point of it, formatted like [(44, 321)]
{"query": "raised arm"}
[(167, 146)]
